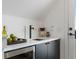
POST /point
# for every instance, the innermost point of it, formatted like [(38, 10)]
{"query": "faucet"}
[(30, 31)]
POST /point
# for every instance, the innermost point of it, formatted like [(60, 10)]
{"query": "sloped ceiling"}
[(34, 9)]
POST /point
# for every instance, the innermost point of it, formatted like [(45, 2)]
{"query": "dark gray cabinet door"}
[(41, 51), (50, 50), (53, 50)]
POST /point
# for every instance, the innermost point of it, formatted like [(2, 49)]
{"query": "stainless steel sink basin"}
[(38, 39)]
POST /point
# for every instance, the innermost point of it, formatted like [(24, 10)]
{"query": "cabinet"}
[(49, 50), (22, 53), (41, 51)]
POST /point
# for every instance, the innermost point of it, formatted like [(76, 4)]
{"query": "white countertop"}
[(30, 42)]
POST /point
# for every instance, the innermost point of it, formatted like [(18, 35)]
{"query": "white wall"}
[(33, 9), (55, 23)]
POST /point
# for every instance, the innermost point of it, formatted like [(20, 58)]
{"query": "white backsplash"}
[(16, 25)]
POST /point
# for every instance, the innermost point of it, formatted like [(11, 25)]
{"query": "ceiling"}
[(34, 9)]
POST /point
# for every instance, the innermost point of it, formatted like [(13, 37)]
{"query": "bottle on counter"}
[(4, 32), (4, 37)]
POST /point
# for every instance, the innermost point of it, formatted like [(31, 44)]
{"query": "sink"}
[(38, 39)]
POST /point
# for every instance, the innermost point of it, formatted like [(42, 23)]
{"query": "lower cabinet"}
[(41, 51), (28, 55), (23, 53), (49, 50)]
